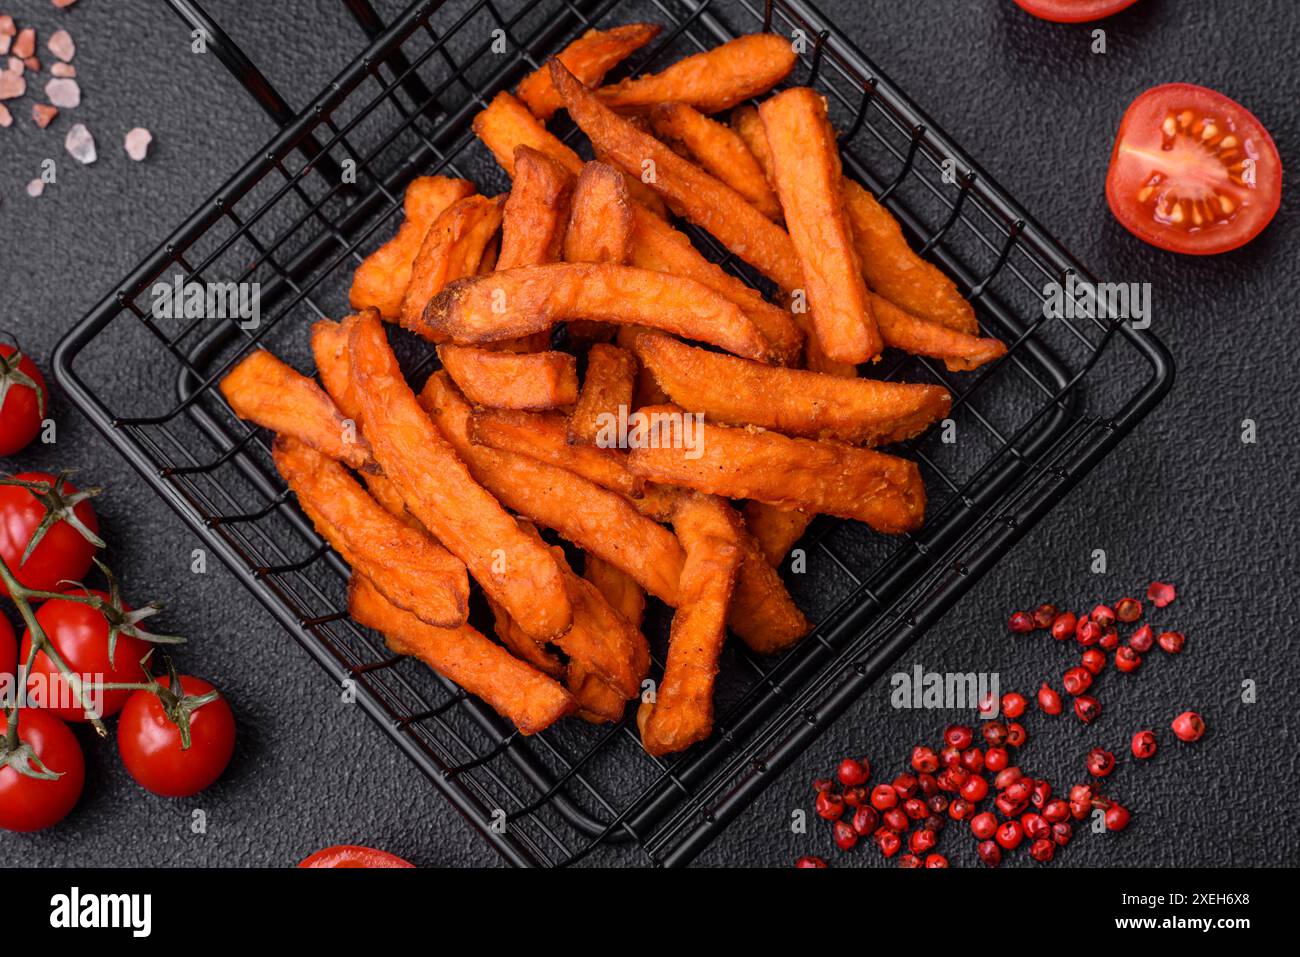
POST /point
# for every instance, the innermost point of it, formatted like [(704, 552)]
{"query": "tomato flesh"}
[(353, 855), (1073, 11), (1193, 171)]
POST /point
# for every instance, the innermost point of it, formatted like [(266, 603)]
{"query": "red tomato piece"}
[(63, 554), (1073, 11), (33, 804), (353, 855), (24, 399)]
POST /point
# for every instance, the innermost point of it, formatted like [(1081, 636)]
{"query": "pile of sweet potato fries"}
[(420, 492)]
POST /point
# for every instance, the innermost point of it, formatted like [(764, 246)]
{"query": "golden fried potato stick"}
[(593, 518), (329, 345), (762, 613), (440, 492), (453, 248), (600, 226), (505, 124), (658, 246), (543, 436), (819, 476), (530, 299), (266, 392), (719, 150), (682, 712), (590, 57), (748, 126), (894, 270), (808, 177), (381, 279), (536, 212), (689, 191), (412, 570), (520, 694), (607, 387), (796, 402), (775, 529), (959, 351), (711, 81), (512, 380)]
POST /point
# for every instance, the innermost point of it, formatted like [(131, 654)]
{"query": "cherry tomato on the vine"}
[(24, 398), (1073, 11), (63, 554), (32, 804), (150, 741), (8, 652), (80, 634), (353, 855)]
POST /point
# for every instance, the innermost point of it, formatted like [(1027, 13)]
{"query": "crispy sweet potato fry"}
[(602, 641), (381, 279), (688, 190), (523, 646), (720, 150), (505, 124), (266, 392), (749, 127), (762, 613), (517, 692), (818, 476), (682, 712), (440, 492), (512, 380), (453, 248), (543, 436), (806, 170), (600, 226), (590, 57), (619, 588), (536, 212), (658, 501), (608, 384), (618, 611), (532, 298), (894, 270), (793, 401), (711, 81), (595, 519), (775, 529), (656, 245), (923, 337), (412, 570)]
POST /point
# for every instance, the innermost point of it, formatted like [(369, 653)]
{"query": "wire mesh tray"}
[(1027, 428)]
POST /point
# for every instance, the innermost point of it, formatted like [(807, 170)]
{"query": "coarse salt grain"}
[(80, 144), (6, 118), (61, 45), (63, 3), (137, 143), (7, 26), (43, 114), (63, 93), (6, 41), (25, 44), (35, 188), (12, 85), (63, 69)]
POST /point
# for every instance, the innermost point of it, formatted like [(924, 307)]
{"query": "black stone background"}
[(1182, 499)]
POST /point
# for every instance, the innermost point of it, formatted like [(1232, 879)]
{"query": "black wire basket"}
[(328, 189)]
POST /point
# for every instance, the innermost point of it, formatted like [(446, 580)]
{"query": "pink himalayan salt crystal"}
[(7, 26), (32, 64), (137, 143), (80, 144), (12, 85), (35, 188), (61, 45), (43, 114), (63, 69), (6, 41), (63, 3), (25, 44), (63, 93), (6, 118)]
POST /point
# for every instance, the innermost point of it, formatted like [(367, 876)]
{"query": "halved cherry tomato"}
[(32, 804), (63, 554), (79, 634), (150, 742), (1193, 171), (1073, 11), (24, 399), (353, 855)]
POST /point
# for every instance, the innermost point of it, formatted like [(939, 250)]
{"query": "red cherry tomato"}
[(1193, 171), (353, 855), (32, 804), (150, 743), (62, 555), (1073, 11), (80, 636), (24, 398), (8, 656)]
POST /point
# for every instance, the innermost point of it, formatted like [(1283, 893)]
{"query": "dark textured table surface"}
[(1183, 498)]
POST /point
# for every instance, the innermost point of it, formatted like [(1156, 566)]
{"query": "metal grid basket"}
[(1026, 428)]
